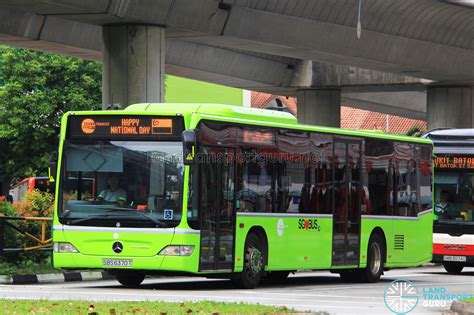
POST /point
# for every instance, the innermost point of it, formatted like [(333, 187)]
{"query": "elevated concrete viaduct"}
[(306, 48)]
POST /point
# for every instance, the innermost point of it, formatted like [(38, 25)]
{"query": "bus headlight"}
[(63, 247), (177, 250)]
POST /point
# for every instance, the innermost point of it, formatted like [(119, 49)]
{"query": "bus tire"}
[(453, 268), (130, 279), (375, 259), (277, 276), (254, 263)]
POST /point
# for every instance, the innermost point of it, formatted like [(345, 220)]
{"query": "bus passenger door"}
[(217, 209), (346, 212)]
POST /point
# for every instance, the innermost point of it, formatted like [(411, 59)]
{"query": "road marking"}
[(313, 295)]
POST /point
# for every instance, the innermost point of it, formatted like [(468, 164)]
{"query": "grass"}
[(470, 300), (10, 307)]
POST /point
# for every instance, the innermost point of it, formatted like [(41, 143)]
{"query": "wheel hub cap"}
[(255, 261), (375, 258)]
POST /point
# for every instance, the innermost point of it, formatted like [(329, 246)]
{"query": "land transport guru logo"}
[(401, 296)]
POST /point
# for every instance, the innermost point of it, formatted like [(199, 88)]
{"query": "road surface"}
[(312, 291)]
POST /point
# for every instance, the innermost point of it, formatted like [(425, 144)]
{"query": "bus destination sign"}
[(454, 162), (118, 127)]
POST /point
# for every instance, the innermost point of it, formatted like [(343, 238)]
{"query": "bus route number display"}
[(123, 126), (454, 162)]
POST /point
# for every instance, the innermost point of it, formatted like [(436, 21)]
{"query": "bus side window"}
[(256, 182)]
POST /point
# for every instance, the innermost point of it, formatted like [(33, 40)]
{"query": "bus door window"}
[(217, 204), (402, 194), (425, 201), (340, 199), (354, 186), (322, 160), (378, 163), (414, 186)]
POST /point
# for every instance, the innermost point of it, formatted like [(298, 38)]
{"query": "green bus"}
[(239, 193)]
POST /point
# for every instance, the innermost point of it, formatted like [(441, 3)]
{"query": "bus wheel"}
[(375, 260), (277, 276), (254, 264), (130, 279), (453, 267)]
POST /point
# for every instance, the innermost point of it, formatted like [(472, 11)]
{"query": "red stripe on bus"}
[(453, 249)]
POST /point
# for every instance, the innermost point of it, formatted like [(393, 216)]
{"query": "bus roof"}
[(249, 115), (452, 141), (467, 133)]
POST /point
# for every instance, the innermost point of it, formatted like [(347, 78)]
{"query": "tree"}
[(38, 89), (415, 131)]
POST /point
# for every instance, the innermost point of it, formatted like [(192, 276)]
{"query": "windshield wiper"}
[(100, 216), (148, 217), (152, 219)]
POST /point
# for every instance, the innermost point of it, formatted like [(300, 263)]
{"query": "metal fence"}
[(41, 242)]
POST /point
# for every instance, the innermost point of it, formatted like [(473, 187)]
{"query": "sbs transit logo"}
[(88, 126)]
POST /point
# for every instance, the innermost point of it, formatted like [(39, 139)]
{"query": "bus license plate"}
[(117, 262), (454, 258)]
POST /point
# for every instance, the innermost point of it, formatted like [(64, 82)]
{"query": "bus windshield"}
[(454, 196), (121, 183)]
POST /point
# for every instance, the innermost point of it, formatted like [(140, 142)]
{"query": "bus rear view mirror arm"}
[(189, 146), (53, 166)]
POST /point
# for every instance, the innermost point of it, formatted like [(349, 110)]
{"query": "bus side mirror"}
[(189, 146), (53, 166)]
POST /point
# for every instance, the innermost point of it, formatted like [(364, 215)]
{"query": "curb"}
[(463, 308), (56, 277)]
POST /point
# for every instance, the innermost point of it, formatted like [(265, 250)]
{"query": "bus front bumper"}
[(464, 260), (155, 263)]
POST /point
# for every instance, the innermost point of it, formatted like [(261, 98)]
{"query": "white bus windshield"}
[(137, 181), (454, 195)]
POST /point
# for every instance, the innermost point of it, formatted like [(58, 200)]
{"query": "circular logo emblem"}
[(401, 296), (280, 227), (117, 247), (88, 126)]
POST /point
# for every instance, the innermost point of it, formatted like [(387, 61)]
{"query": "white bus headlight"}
[(177, 250), (63, 247)]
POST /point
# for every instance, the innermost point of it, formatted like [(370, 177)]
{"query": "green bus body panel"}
[(417, 236), (289, 246)]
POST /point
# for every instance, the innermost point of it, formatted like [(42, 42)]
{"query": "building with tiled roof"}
[(351, 118)]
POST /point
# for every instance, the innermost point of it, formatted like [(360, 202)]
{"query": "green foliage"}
[(415, 131), (38, 89), (85, 307), (36, 204), (27, 267)]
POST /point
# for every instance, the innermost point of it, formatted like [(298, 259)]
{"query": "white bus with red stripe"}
[(453, 229)]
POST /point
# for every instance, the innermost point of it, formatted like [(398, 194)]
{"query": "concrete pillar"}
[(319, 107), (133, 64), (451, 107)]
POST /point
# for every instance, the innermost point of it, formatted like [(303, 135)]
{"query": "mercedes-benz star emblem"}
[(117, 247)]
